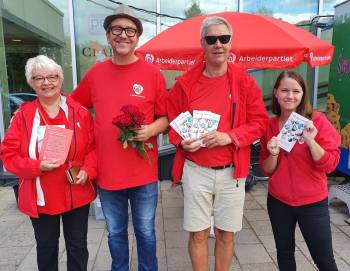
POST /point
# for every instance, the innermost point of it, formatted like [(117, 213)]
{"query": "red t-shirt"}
[(107, 87), (213, 94), (50, 182)]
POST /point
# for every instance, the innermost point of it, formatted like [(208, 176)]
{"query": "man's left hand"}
[(215, 138), (143, 133)]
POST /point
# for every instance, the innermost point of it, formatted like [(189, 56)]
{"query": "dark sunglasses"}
[(210, 40)]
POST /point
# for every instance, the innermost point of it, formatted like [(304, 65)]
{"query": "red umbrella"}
[(258, 42)]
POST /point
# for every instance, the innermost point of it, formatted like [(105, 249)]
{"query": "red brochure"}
[(56, 144)]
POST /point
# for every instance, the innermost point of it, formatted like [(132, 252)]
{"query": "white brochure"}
[(291, 131)]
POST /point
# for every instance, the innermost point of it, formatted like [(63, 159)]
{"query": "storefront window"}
[(292, 11), (23, 35), (91, 41), (186, 9)]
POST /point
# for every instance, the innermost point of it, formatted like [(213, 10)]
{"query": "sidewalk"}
[(254, 245)]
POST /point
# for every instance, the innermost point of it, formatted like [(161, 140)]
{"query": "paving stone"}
[(13, 255), (248, 196), (235, 266), (165, 185), (259, 267), (262, 200), (341, 242), (304, 249), (303, 264), (103, 261), (268, 242), (338, 219), (19, 239), (176, 239), (173, 224), (245, 224), (251, 205), (262, 227), (341, 264), (254, 215), (177, 202), (247, 254), (246, 236), (173, 212), (177, 257), (8, 267), (173, 194), (344, 229)]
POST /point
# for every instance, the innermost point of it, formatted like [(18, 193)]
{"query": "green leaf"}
[(129, 136), (149, 145)]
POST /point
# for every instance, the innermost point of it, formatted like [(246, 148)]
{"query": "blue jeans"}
[(143, 202)]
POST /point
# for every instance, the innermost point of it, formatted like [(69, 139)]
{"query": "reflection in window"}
[(25, 36), (187, 9), (292, 11), (91, 40)]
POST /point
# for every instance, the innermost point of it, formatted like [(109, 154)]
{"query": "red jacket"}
[(250, 116), (15, 156), (298, 179)]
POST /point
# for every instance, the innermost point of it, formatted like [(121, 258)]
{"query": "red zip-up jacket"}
[(298, 179), (249, 115), (15, 156)]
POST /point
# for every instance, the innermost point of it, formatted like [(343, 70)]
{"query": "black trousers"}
[(314, 223), (47, 233)]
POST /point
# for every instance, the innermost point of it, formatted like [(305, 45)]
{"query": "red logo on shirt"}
[(137, 89)]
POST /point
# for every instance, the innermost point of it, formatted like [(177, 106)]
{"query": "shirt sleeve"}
[(161, 95), (256, 116), (329, 139), (82, 94), (10, 152), (264, 153), (90, 161)]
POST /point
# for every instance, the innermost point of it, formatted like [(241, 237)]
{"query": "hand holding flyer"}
[(292, 131), (56, 144), (201, 123)]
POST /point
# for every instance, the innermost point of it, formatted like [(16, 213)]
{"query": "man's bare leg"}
[(223, 250), (198, 249)]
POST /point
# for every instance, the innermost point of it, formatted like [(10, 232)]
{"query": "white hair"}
[(41, 62), (214, 20)]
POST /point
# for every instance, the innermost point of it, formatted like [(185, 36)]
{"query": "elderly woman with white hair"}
[(45, 193)]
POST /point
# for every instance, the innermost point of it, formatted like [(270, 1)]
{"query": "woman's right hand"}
[(48, 165), (273, 147)]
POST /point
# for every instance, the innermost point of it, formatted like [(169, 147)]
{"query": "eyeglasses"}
[(118, 30), (224, 39), (41, 79)]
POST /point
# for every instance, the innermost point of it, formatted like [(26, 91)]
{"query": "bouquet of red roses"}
[(131, 118)]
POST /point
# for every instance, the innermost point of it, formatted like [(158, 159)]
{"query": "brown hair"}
[(304, 108)]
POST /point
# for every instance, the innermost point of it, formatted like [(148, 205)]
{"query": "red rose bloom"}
[(131, 118)]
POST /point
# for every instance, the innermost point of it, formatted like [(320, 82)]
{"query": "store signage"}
[(96, 52)]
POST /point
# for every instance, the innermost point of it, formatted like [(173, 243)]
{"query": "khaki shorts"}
[(210, 192)]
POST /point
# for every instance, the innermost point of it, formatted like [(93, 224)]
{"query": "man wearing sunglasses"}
[(123, 175), (213, 168)]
